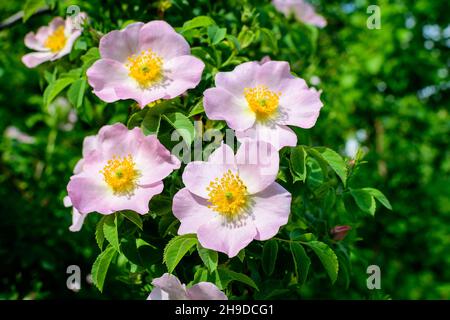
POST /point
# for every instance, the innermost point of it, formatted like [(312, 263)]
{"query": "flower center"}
[(57, 40), (145, 68), (262, 101), (227, 195), (121, 175)]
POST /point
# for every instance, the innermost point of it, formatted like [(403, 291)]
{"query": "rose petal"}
[(205, 291), (277, 135), (34, 59), (120, 44)]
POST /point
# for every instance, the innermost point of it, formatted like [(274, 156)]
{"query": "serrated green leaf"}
[(379, 196), (99, 235), (183, 125), (133, 217), (334, 160), (216, 34), (301, 262), (298, 163), (327, 257), (197, 109), (177, 248), (269, 257), (110, 231), (150, 124), (92, 55), (364, 200), (228, 275), (101, 266), (209, 257), (197, 22)]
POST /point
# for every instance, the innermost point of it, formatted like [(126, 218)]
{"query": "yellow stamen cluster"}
[(262, 101), (145, 68), (121, 175), (56, 41), (227, 195)]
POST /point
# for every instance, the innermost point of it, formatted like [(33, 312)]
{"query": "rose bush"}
[(198, 139)]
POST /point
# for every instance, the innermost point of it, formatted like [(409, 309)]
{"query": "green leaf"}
[(183, 125), (101, 266), (241, 255), (99, 235), (270, 38), (301, 262), (335, 161), (133, 217), (327, 257), (269, 257), (209, 257), (379, 196), (150, 124), (31, 6), (226, 276), (110, 231), (176, 249), (197, 109), (54, 88), (298, 164), (216, 34), (75, 94), (364, 200), (92, 55), (197, 22), (246, 37)]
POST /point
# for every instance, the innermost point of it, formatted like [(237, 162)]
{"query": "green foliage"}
[(386, 89)]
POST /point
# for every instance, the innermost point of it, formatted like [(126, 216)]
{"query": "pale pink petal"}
[(271, 74), (77, 220), (162, 39), (205, 291), (229, 239), (271, 209), (56, 23), (299, 105), (222, 155), (34, 59), (191, 210), (90, 143), (158, 294), (170, 285), (42, 34), (152, 159), (220, 104), (106, 76), (198, 175), (120, 44), (182, 73), (243, 76), (277, 135), (32, 42), (258, 164)]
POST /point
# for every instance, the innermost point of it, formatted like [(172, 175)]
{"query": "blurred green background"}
[(385, 90)]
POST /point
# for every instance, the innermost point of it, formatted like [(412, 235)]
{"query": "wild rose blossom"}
[(168, 287), (51, 42), (144, 62), (260, 100), (232, 199), (121, 169), (302, 10)]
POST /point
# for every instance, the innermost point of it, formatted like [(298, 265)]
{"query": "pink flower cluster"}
[(229, 200)]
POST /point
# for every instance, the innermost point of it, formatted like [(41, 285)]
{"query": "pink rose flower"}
[(121, 169), (232, 199), (144, 62), (168, 287), (302, 10), (51, 42), (259, 101), (340, 232)]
